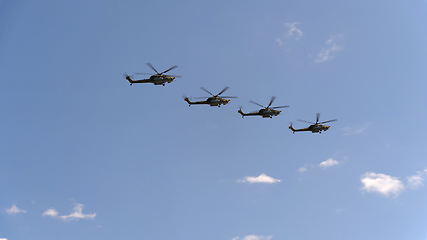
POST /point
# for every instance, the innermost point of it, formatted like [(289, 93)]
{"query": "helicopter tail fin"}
[(187, 100), (127, 77), (241, 112), (292, 128)]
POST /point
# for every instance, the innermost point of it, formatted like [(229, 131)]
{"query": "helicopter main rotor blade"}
[(329, 121), (305, 121), (204, 89), (280, 107), (167, 70), (256, 103), (229, 97), (223, 90), (317, 117), (271, 101), (140, 73), (152, 67), (200, 97), (128, 75)]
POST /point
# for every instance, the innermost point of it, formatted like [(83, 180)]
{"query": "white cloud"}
[(3, 238), (332, 46), (262, 178), (51, 212), (328, 163), (13, 210), (76, 214), (292, 32), (253, 237), (381, 183), (302, 169), (417, 180)]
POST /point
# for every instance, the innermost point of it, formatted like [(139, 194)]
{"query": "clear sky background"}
[(83, 155)]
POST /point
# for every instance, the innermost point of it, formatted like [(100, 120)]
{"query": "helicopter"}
[(160, 78), (265, 112), (214, 100), (316, 127)]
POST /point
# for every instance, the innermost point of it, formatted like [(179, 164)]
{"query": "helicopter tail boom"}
[(191, 103), (131, 81), (298, 130)]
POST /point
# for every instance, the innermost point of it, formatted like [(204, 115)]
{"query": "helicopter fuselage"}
[(314, 128), (212, 101), (268, 112), (265, 113), (161, 79), (155, 79), (318, 128)]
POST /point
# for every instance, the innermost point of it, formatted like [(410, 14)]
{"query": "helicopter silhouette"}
[(265, 112), (316, 127), (160, 78)]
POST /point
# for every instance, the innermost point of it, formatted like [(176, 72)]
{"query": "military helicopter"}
[(265, 112), (316, 127), (214, 100), (160, 78)]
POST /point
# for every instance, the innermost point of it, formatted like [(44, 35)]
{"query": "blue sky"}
[(86, 156)]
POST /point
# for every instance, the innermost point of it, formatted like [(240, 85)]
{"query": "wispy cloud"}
[(383, 184), (253, 237), (51, 212), (328, 163), (76, 214), (280, 42), (293, 31), (356, 130), (262, 178), (3, 238), (417, 180), (13, 210), (332, 46)]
